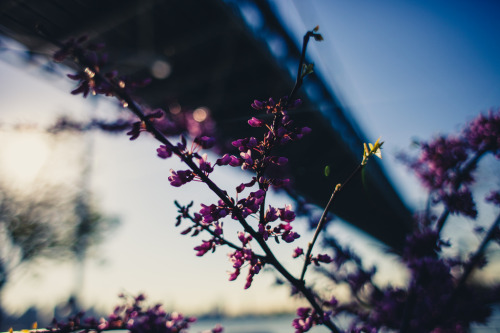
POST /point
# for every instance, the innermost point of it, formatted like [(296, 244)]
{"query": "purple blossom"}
[(244, 238), (321, 258), (235, 161), (205, 142), (278, 160), (204, 165), (270, 106), (494, 198), (242, 186), (297, 252), (271, 214), (305, 130), (136, 130), (90, 78), (224, 160), (248, 162), (245, 144), (287, 214), (86, 83), (68, 48), (131, 316), (257, 105), (234, 275), (389, 307), (460, 202), (218, 229), (254, 122), (237, 260), (264, 231), (251, 204), (140, 126), (307, 318), (288, 235), (253, 270), (279, 183), (440, 161), (180, 177), (239, 257), (258, 194), (205, 247), (164, 152), (229, 160), (425, 243), (333, 302), (484, 132), (213, 212)]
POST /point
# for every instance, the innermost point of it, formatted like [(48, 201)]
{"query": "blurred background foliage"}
[(47, 220)]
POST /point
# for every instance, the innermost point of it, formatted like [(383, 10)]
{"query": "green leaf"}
[(327, 171)]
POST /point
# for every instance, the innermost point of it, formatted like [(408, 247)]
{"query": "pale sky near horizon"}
[(404, 69)]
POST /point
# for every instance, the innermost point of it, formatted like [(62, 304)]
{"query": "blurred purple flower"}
[(321, 258), (180, 177), (494, 198), (460, 202), (204, 247), (484, 132), (271, 214), (287, 214), (297, 252), (164, 152), (205, 142), (254, 122)]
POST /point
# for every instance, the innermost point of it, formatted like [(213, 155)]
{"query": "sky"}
[(403, 69)]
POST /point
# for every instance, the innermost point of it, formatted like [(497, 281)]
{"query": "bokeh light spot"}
[(200, 114), (161, 69)]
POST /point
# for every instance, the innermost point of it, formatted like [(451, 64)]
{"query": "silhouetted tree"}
[(53, 221)]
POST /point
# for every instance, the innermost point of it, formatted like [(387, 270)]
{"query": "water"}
[(271, 324), (283, 324)]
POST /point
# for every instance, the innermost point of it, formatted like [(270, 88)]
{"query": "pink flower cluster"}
[(131, 316)]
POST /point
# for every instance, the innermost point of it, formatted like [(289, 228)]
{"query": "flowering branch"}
[(131, 316), (216, 234), (254, 156), (445, 167)]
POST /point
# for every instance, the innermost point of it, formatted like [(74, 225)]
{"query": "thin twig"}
[(322, 220), (300, 76)]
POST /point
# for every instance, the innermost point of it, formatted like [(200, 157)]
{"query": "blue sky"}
[(403, 69)]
